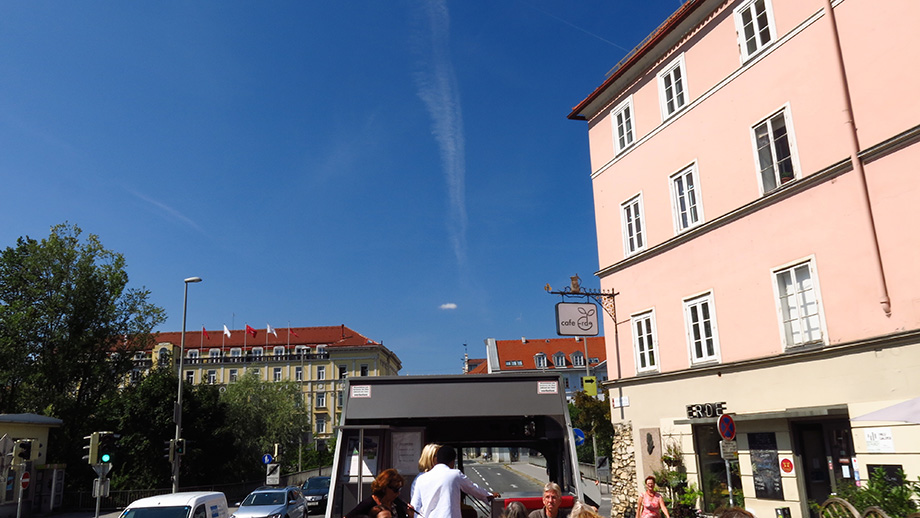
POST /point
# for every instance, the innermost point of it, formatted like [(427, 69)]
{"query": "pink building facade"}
[(757, 198)]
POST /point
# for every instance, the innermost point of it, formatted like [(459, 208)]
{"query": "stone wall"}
[(624, 492)]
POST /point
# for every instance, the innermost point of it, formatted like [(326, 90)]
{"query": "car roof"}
[(175, 499)]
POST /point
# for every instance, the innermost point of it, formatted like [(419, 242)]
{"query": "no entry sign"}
[(24, 481)]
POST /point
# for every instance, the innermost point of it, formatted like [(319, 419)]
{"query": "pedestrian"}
[(384, 493), (583, 510), (651, 503), (515, 509), (436, 493), (552, 499), (428, 458)]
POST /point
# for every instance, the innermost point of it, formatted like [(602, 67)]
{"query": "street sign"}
[(24, 481), (272, 475), (727, 427), (267, 459), (579, 436), (729, 450)]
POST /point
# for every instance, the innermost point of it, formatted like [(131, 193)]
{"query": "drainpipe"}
[(855, 160)]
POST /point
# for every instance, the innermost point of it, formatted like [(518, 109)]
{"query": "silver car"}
[(286, 502)]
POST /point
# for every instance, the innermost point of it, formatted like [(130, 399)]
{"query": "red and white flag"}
[(293, 332), (205, 331), (250, 330)]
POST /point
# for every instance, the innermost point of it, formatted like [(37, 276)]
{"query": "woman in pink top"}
[(651, 505)]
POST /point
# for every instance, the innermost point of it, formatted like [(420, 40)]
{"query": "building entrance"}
[(825, 451)]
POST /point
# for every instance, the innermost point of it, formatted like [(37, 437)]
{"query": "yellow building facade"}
[(319, 358)]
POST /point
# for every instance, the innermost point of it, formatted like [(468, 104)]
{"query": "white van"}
[(200, 504)]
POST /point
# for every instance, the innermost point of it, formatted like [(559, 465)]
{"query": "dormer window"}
[(257, 351), (278, 351), (193, 353), (559, 360), (539, 360), (578, 359)]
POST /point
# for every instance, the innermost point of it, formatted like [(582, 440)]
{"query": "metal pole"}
[(178, 409), (728, 476)]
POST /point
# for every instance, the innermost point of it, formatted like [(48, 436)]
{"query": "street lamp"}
[(178, 410)]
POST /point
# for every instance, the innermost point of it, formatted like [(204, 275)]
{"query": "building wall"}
[(864, 357)]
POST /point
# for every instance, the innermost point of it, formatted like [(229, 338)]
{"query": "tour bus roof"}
[(394, 397)]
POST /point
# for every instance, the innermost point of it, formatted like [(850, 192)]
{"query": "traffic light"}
[(25, 450), (171, 450), (107, 442), (92, 456), (180, 447)]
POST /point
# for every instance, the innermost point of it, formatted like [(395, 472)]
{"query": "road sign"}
[(579, 436), (272, 475), (727, 427), (267, 459), (24, 481), (729, 450)]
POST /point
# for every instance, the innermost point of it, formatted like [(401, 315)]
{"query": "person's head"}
[(446, 455), (650, 483), (736, 512), (583, 510), (379, 511), (429, 457), (387, 485), (515, 509), (552, 497)]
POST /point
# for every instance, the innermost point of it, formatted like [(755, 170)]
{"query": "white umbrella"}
[(905, 412)]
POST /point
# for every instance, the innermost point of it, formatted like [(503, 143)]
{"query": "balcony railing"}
[(232, 360)]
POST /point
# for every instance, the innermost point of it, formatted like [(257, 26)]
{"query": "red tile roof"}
[(330, 336), (481, 368), (524, 351)]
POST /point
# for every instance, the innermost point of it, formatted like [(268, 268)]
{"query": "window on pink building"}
[(623, 126), (775, 150), (672, 87), (685, 199), (799, 304), (632, 219), (754, 22), (701, 329), (645, 342)]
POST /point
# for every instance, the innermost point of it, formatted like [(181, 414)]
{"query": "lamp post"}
[(178, 410)]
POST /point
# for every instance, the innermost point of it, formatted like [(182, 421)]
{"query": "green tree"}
[(592, 416), (260, 414), (68, 328)]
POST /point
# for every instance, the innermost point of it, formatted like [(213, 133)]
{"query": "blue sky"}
[(402, 167)]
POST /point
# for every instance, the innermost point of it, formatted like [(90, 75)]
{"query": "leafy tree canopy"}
[(592, 416)]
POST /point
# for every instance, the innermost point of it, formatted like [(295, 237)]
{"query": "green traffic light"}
[(105, 457)]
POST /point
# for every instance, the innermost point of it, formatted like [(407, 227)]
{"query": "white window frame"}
[(277, 374), (649, 354), (539, 360), (578, 359), (256, 352), (690, 325), (214, 353), (192, 354), (787, 334), (234, 376), (298, 373), (320, 400), (793, 158), (632, 225), (690, 196), (666, 74), (301, 349), (278, 350), (320, 372), (320, 424), (623, 140), (257, 372), (559, 360), (212, 377), (236, 352), (766, 17), (190, 377)]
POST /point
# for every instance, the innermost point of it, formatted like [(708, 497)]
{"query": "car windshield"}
[(268, 498), (157, 512), (317, 483)]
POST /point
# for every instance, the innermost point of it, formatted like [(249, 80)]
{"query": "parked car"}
[(179, 505), (316, 492), (282, 502)]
